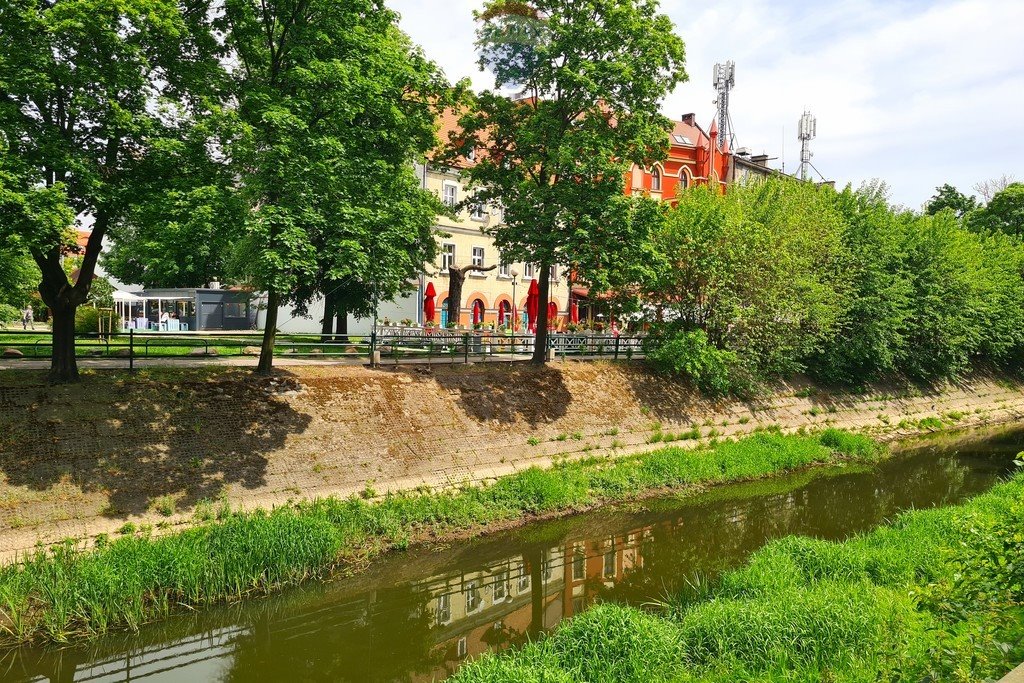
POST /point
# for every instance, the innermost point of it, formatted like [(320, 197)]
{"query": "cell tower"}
[(724, 79), (807, 130)]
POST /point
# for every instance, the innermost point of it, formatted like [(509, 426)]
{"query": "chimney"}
[(689, 119), (760, 159)]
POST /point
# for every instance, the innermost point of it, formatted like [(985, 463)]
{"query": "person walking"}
[(26, 319)]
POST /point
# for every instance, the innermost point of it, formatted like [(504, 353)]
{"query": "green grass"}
[(65, 592), (936, 596)]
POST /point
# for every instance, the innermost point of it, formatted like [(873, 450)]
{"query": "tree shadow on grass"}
[(533, 394), (139, 438)]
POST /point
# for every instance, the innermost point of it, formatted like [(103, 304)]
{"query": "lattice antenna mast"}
[(724, 80), (807, 130)]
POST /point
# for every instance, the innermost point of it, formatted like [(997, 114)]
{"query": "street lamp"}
[(515, 315), (515, 308)]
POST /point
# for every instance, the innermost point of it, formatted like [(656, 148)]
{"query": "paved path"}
[(1015, 676)]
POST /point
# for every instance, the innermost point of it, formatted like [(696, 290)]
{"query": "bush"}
[(87, 320), (9, 314), (691, 355)]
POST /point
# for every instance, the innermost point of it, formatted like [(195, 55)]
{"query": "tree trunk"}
[(456, 278), (341, 324), (535, 558), (327, 322), (63, 366), (540, 344), (266, 363)]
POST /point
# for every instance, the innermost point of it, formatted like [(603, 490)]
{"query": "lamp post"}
[(514, 314)]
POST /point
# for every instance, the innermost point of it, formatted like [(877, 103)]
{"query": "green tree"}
[(948, 197), (187, 215), (592, 75), (87, 89), (759, 270), (1004, 213), (335, 105), (19, 277)]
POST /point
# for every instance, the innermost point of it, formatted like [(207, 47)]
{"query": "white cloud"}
[(916, 93)]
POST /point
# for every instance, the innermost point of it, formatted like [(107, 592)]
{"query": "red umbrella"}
[(428, 303), (532, 304), (574, 311), (552, 313), (478, 312)]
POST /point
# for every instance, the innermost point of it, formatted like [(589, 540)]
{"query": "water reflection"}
[(418, 616)]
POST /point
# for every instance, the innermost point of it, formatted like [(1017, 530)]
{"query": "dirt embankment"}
[(81, 460)]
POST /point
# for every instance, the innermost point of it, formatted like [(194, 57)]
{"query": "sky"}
[(914, 93)]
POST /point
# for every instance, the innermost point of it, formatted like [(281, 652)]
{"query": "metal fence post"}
[(616, 357), (465, 346), (131, 349)]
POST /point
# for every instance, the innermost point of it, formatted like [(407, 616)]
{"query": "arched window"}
[(656, 179), (684, 180), (444, 313), (505, 313), (478, 312)]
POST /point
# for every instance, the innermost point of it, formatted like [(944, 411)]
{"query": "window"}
[(471, 154), (524, 578), (579, 564), (234, 310), (450, 194), (500, 586), (609, 560), (447, 256), (478, 256), (444, 609), (656, 179), (682, 139), (547, 569), (461, 647), (473, 599), (504, 270), (684, 180), (553, 273), (479, 212), (528, 271)]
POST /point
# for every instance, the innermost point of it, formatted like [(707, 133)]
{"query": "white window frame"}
[(505, 270), (447, 256), (454, 188), (479, 254), (444, 609), (500, 588), (657, 179), (461, 648), (553, 273), (528, 271), (524, 579), (579, 561), (474, 600), (478, 211)]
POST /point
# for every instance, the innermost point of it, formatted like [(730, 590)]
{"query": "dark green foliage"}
[(1004, 213), (937, 596), (949, 198), (690, 355), (68, 591)]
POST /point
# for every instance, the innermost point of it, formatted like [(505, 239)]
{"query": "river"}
[(418, 615)]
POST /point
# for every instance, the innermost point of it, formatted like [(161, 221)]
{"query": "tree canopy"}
[(334, 104), (592, 76), (948, 197), (88, 88)]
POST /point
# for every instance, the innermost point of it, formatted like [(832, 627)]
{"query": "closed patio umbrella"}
[(428, 303), (532, 305), (552, 313), (574, 310)]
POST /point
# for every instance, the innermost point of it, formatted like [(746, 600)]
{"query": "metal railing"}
[(408, 345)]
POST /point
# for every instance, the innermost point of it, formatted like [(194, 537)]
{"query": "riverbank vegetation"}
[(68, 591), (936, 596), (784, 277)]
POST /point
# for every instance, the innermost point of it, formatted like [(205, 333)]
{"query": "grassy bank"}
[(936, 596), (67, 591)]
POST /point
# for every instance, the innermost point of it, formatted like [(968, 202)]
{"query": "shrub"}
[(691, 355), (9, 314)]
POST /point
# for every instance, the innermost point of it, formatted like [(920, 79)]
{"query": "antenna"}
[(724, 80), (806, 131)]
